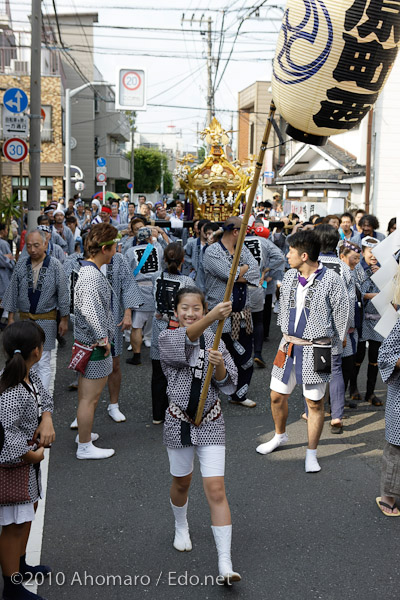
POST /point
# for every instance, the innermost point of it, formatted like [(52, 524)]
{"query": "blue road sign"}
[(101, 162), (129, 185), (269, 174), (15, 100)]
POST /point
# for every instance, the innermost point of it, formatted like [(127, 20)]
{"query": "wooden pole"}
[(236, 257)]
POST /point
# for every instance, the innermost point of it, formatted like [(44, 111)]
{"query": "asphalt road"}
[(109, 528)]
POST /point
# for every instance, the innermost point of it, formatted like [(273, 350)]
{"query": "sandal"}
[(336, 427), (380, 504), (355, 395)]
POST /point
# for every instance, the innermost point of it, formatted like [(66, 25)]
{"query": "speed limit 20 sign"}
[(15, 150), (131, 89)]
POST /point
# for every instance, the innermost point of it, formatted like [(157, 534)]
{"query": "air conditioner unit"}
[(19, 66)]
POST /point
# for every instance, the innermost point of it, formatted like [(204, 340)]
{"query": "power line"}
[(234, 41)]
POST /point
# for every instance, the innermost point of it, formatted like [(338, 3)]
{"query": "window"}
[(115, 146)]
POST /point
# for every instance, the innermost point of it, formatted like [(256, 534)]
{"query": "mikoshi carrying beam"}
[(236, 257)]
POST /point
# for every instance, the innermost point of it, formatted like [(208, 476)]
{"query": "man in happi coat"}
[(314, 310), (38, 288), (238, 328)]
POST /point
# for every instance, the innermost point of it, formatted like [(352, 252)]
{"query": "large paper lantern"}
[(331, 62)]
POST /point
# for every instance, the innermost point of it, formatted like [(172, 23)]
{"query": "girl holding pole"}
[(185, 353)]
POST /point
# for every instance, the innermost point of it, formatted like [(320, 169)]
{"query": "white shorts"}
[(212, 460), (139, 318), (312, 391), (17, 513)]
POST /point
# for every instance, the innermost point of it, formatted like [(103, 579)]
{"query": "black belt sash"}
[(195, 390)]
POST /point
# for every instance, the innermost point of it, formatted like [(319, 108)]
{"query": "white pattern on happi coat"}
[(125, 294), (178, 356), (333, 262), (328, 303), (389, 354), (54, 295), (217, 264), (19, 417), (93, 316)]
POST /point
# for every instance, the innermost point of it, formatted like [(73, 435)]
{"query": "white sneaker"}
[(147, 343), (277, 440), (88, 451), (74, 424), (115, 413), (94, 437), (129, 348), (248, 403)]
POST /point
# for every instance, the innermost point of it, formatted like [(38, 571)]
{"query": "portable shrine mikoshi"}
[(216, 188)]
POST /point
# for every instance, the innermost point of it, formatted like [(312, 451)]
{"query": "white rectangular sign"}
[(15, 124), (131, 89)]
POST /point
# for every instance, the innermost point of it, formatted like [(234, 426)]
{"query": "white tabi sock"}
[(182, 539), (279, 439), (312, 464)]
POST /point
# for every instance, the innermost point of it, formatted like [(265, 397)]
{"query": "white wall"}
[(386, 154)]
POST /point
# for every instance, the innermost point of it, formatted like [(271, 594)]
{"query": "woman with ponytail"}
[(165, 288), (25, 415)]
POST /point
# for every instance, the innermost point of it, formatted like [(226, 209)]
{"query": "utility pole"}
[(35, 108), (210, 89), (132, 120)]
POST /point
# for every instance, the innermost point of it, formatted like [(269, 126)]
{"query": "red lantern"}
[(332, 60)]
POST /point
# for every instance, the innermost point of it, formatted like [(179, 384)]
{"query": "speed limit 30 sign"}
[(15, 150)]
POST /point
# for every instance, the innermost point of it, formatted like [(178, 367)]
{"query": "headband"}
[(347, 244), (106, 209), (45, 228), (17, 352), (369, 242), (111, 242)]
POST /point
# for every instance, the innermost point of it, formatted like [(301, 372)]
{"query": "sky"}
[(169, 39)]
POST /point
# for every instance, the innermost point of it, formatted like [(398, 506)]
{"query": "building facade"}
[(15, 72), (254, 105)]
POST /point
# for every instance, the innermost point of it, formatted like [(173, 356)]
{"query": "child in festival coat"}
[(185, 353), (26, 433)]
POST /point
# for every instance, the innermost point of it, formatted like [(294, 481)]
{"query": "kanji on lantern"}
[(366, 63), (383, 19), (343, 109)]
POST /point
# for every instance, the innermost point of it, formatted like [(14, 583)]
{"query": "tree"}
[(147, 178), (10, 209)]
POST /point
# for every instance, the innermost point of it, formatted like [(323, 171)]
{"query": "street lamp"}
[(68, 95)]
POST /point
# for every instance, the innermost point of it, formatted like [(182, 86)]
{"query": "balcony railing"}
[(16, 61)]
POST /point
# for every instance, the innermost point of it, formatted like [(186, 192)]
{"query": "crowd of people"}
[(122, 279)]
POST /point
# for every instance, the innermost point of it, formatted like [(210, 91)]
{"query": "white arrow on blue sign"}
[(101, 162), (15, 100)]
